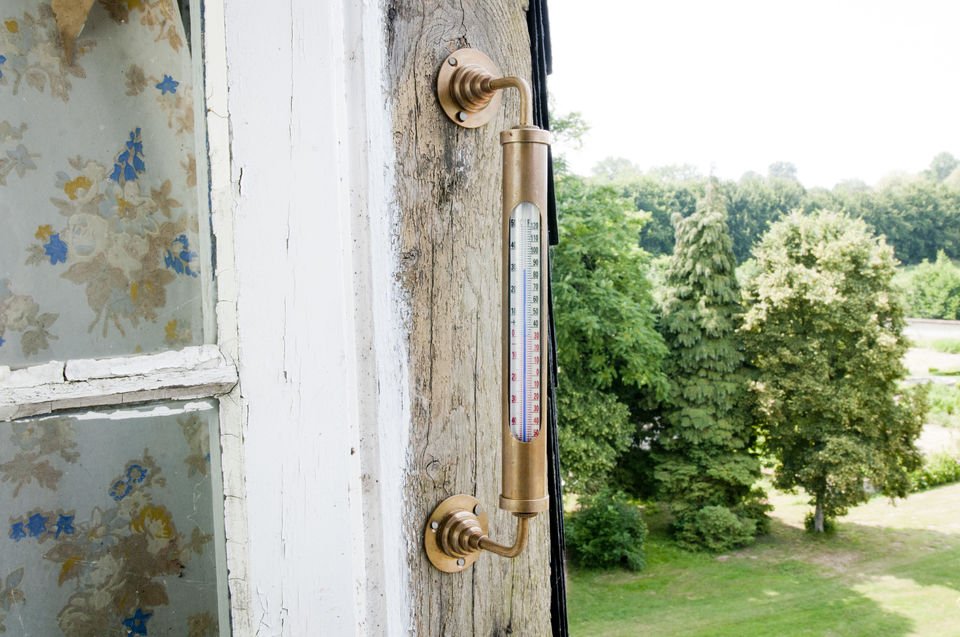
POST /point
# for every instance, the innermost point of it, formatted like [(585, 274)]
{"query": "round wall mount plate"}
[(457, 114), (431, 544)]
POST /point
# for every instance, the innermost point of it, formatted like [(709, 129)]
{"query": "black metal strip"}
[(538, 24)]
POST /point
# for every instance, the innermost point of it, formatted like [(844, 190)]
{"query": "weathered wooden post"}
[(449, 199)]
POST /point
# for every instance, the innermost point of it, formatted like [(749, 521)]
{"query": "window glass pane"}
[(110, 523), (100, 223)]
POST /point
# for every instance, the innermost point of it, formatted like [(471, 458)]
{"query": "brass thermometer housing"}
[(468, 89), (524, 464)]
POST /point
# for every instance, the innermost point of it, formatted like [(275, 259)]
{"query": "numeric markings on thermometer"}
[(525, 246)]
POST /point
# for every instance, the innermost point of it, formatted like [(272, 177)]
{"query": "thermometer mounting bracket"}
[(460, 91)]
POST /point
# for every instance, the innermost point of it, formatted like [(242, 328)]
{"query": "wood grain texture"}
[(448, 194)]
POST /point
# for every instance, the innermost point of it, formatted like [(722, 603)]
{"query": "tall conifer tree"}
[(706, 466)]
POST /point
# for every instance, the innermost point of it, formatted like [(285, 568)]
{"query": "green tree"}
[(917, 216), (782, 170), (705, 450), (614, 170), (662, 199), (609, 352), (932, 290), (825, 332), (754, 203), (941, 166), (567, 131)]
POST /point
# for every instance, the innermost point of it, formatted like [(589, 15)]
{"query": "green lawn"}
[(887, 571)]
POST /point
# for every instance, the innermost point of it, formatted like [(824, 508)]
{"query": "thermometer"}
[(524, 319), (468, 86)]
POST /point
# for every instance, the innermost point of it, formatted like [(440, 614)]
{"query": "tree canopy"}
[(705, 453), (918, 214), (610, 352), (825, 333)]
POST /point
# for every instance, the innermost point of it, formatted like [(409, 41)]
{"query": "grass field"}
[(887, 571)]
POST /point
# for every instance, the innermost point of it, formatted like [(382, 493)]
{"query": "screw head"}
[(434, 525), (452, 61), (461, 562), (461, 116)]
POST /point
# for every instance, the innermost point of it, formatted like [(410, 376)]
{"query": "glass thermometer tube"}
[(525, 295)]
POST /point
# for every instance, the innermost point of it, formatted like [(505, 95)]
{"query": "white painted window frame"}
[(204, 371), (340, 567)]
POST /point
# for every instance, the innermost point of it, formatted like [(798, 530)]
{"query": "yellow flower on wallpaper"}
[(72, 186), (155, 521)]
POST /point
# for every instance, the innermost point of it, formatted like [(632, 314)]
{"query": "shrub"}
[(937, 469), (608, 531), (943, 399), (755, 507), (714, 528), (932, 290)]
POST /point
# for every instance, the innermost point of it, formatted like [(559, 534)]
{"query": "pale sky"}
[(843, 88)]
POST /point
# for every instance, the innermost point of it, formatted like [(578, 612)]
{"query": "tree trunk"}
[(448, 194), (818, 515)]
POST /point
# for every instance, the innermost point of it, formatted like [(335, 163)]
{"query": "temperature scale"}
[(524, 303)]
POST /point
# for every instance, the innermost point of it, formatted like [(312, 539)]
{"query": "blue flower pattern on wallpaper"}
[(64, 526), (113, 567), (137, 624), (180, 257), (40, 525), (18, 531), (134, 475), (55, 249), (129, 164), (167, 85), (116, 227), (121, 238)]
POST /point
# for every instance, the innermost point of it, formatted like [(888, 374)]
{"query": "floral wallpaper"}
[(109, 533), (99, 247)]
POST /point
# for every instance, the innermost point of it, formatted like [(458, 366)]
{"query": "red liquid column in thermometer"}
[(525, 328)]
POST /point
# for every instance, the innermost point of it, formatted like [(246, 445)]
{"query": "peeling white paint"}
[(322, 395), (155, 412), (381, 344), (233, 411), (192, 372)]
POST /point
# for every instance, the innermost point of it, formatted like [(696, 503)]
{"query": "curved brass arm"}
[(518, 543), (526, 102)]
